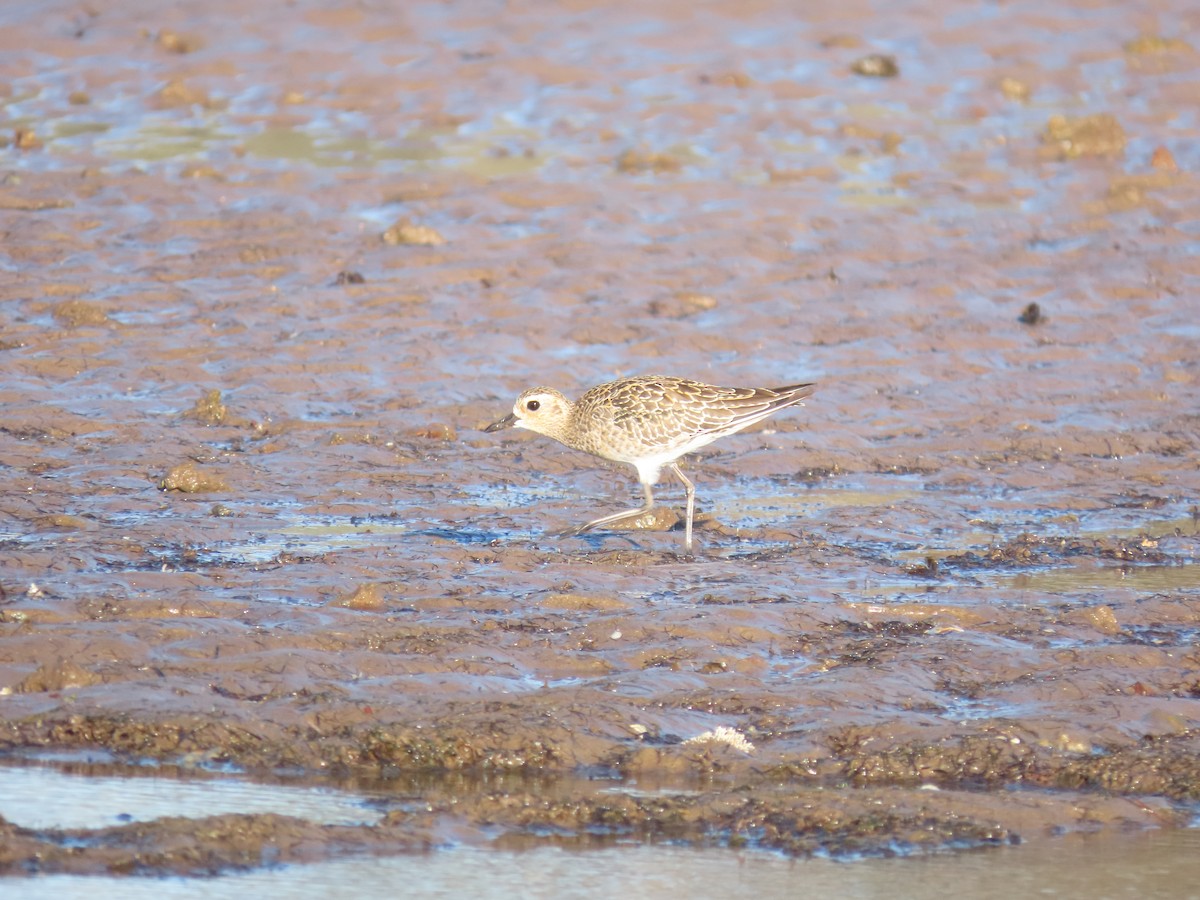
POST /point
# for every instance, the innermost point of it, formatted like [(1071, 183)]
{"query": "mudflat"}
[(266, 274)]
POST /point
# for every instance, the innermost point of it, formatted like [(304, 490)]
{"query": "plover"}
[(649, 422)]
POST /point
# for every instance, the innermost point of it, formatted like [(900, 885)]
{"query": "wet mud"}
[(264, 280)]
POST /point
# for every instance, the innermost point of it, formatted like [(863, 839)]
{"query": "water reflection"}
[(43, 798), (1156, 864)]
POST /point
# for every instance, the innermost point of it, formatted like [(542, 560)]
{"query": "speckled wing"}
[(718, 411), (674, 414)]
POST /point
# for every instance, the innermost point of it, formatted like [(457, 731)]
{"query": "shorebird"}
[(649, 422)]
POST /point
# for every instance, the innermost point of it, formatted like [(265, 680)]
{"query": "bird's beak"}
[(507, 422)]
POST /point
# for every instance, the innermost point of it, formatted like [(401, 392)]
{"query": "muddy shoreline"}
[(263, 282)]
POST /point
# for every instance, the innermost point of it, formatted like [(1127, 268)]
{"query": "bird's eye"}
[(533, 405)]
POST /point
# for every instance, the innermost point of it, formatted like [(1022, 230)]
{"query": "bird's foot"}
[(655, 518)]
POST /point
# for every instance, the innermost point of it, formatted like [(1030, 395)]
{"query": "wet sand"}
[(266, 276)]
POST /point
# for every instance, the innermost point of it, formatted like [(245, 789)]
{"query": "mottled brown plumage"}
[(649, 422)]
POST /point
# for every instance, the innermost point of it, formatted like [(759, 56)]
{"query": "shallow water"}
[(42, 799), (1148, 863), (1108, 868)]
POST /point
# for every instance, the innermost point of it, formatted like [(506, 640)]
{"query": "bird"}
[(649, 422)]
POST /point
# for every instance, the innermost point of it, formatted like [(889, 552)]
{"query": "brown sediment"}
[(968, 564)]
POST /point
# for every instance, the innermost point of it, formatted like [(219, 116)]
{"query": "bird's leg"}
[(691, 504), (647, 493)]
